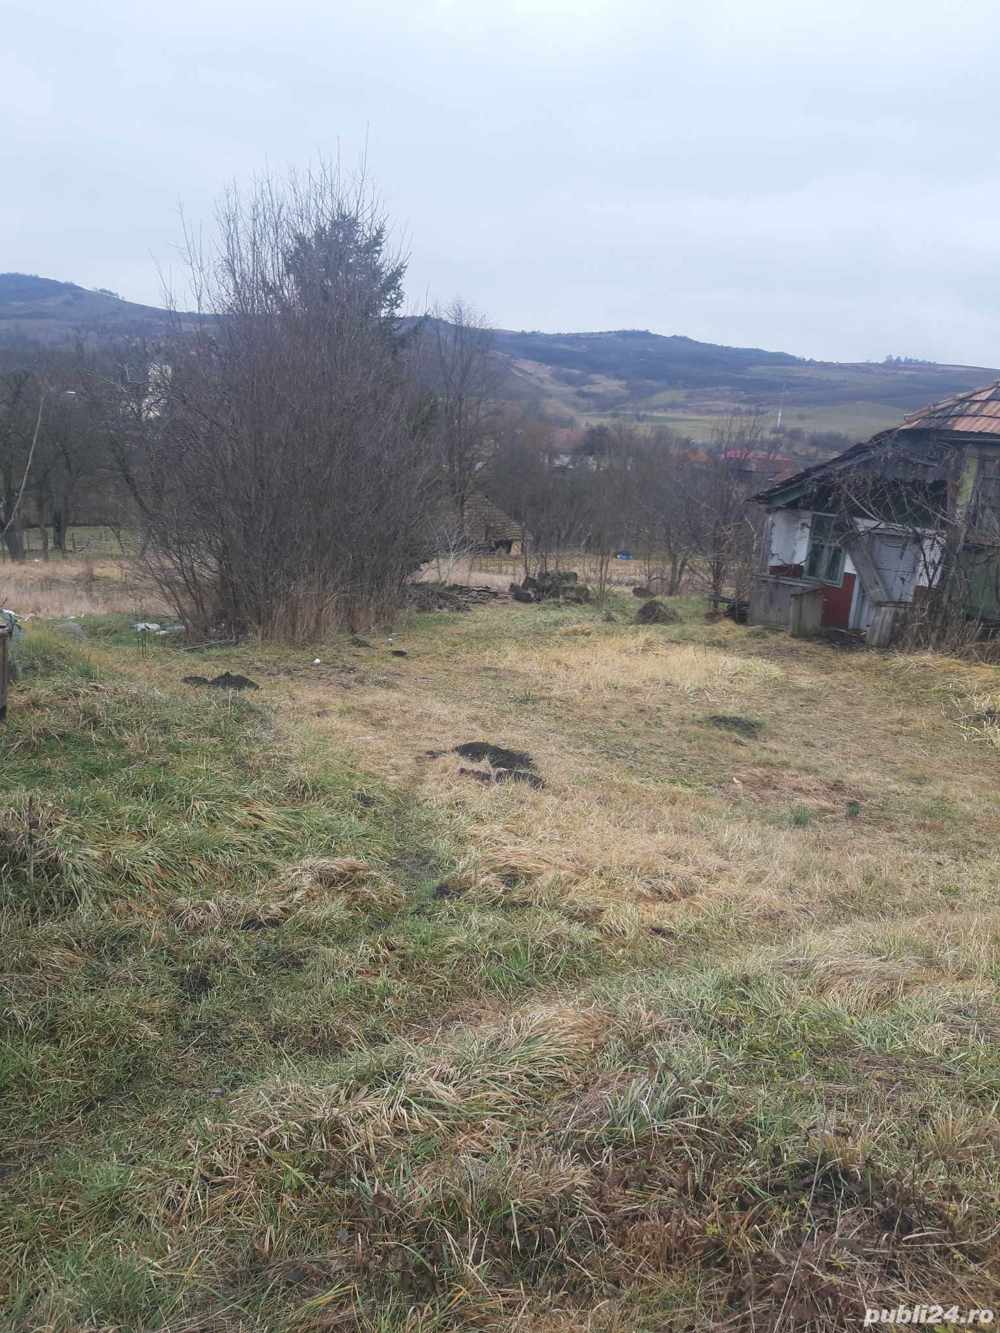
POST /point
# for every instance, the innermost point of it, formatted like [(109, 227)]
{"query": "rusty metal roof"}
[(976, 412)]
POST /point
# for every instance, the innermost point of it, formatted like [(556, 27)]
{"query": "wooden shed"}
[(479, 526)]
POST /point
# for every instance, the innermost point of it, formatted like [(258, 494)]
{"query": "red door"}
[(837, 603)]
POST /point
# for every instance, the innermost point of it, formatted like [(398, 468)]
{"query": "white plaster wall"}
[(789, 537)]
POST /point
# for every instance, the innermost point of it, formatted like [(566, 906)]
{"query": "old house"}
[(907, 524), (478, 526)]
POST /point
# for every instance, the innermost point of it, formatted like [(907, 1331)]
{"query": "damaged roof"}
[(974, 412)]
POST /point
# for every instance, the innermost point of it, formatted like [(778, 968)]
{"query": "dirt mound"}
[(742, 726), (562, 585), (656, 612), (477, 751), (504, 765), (225, 681)]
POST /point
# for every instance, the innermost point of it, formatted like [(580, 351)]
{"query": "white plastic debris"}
[(316, 661), (150, 625)]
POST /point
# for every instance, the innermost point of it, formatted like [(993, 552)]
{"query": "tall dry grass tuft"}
[(624, 663), (76, 588)]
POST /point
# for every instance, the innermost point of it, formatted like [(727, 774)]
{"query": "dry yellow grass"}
[(56, 588), (650, 814), (505, 568), (636, 664), (499, 571)]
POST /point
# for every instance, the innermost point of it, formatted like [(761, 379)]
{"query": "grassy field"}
[(306, 1028), (620, 377), (858, 420)]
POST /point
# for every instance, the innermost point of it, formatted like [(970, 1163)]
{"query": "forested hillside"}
[(690, 385), (583, 377), (42, 310)]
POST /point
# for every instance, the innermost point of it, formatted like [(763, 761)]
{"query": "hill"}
[(34, 309), (690, 385), (584, 377)]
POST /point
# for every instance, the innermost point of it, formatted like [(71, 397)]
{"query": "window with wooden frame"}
[(825, 560)]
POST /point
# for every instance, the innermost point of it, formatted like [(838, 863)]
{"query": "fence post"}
[(4, 639)]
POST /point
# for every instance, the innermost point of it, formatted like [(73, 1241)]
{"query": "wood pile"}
[(449, 596)]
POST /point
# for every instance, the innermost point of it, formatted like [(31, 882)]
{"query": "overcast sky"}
[(819, 178)]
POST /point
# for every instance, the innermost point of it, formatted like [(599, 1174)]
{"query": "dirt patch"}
[(779, 787), (656, 613), (740, 726), (225, 681), (195, 983)]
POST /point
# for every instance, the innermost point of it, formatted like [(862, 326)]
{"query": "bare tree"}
[(657, 517), (54, 460), (456, 353), (725, 530), (284, 465), (22, 399), (548, 499)]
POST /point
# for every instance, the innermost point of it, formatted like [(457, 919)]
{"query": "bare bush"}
[(724, 529), (286, 461)]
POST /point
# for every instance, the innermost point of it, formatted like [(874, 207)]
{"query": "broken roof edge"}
[(969, 417), (796, 484)]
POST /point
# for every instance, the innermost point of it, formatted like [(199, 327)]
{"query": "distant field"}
[(858, 420), (690, 415), (82, 586), (856, 400), (82, 543)]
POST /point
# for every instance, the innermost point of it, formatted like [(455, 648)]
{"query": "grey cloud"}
[(819, 179)]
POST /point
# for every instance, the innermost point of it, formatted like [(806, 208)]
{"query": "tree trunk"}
[(14, 541)]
